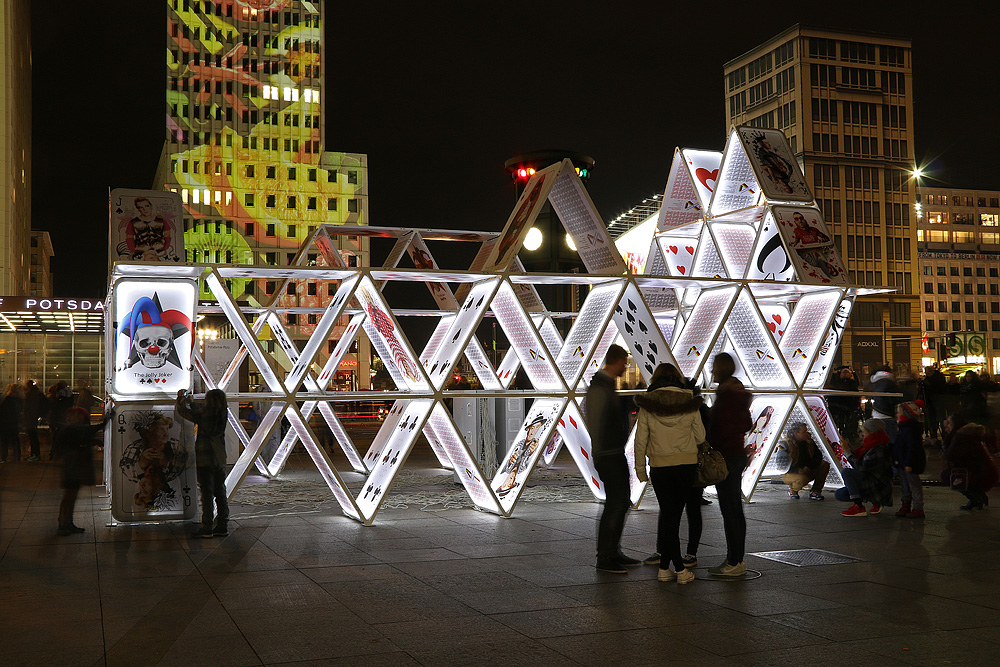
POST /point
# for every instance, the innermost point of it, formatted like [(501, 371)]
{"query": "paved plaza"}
[(309, 587)]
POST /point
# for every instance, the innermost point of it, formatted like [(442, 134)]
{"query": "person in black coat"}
[(35, 407), (909, 459), (74, 445), (11, 406)]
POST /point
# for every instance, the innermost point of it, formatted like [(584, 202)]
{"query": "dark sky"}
[(440, 99)]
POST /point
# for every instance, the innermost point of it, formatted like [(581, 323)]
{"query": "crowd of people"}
[(23, 407)]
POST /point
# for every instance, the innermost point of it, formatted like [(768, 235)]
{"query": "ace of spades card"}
[(641, 333), (770, 260), (152, 464)]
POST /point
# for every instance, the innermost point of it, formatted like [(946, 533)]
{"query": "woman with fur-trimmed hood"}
[(669, 431)]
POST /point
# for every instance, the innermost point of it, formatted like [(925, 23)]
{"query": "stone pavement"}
[(459, 586)]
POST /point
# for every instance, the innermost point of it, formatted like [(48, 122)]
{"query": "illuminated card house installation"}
[(740, 261)]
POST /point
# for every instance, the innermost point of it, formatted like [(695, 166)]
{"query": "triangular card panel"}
[(525, 340), (478, 262), (572, 203), (776, 318), (521, 219), (828, 348), (777, 465), (641, 333), (635, 487), (388, 339), (703, 168), (398, 249), (680, 203), (393, 454), (574, 433), (770, 260), (600, 351), (444, 435), (326, 469), (389, 424), (737, 188), (520, 459), (756, 347), (481, 365), (549, 332), (828, 431), (678, 253), (735, 242), (701, 328), (526, 293), (340, 435), (461, 331), (421, 256), (768, 413), (809, 324), (777, 171), (507, 370), (810, 245), (585, 332), (707, 263)]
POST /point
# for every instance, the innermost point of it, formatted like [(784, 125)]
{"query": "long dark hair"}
[(666, 374)]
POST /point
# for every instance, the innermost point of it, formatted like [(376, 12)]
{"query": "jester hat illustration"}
[(148, 312)]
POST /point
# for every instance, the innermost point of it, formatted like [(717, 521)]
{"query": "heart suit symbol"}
[(704, 175)]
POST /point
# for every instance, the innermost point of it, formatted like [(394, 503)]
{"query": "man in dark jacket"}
[(608, 435), (884, 407), (728, 422)]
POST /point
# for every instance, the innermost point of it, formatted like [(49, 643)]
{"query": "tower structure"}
[(844, 99), (246, 148), (15, 147)]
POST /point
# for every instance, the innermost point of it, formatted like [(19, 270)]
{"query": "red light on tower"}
[(531, 171), (522, 173)]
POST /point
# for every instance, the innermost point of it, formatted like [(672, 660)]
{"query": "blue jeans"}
[(852, 480)]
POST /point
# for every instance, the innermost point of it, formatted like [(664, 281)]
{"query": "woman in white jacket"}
[(670, 429)]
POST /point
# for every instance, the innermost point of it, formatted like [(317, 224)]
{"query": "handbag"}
[(711, 466), (959, 479)]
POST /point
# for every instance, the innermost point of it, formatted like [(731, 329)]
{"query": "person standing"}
[(909, 458), (11, 406), (845, 410), (60, 401), (668, 434), (728, 422), (935, 386), (608, 435), (36, 406), (210, 457), (75, 446), (884, 407)]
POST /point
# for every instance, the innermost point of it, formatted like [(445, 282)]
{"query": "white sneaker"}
[(685, 576), (727, 570), (666, 575)]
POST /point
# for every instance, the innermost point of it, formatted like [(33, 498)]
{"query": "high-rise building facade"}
[(15, 146), (245, 144), (40, 280), (844, 99), (958, 233)]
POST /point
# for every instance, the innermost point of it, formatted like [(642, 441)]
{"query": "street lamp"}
[(533, 240)]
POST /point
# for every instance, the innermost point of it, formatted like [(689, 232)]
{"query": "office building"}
[(40, 274), (844, 99), (958, 233), (246, 146), (15, 146)]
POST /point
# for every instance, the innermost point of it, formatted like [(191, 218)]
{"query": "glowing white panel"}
[(828, 431), (703, 167), (735, 243), (680, 203), (552, 449), (806, 329), (699, 332), (326, 469), (678, 254), (585, 333), (319, 337), (547, 330), (524, 339), (774, 164), (800, 414), (527, 294), (574, 433), (770, 260), (461, 330), (828, 348), (737, 187), (572, 203), (393, 454), (250, 452), (641, 333), (722, 344), (481, 365), (756, 347), (392, 419), (521, 219), (776, 318), (634, 245), (436, 341), (707, 263), (151, 322), (769, 413), (520, 459), (388, 339), (636, 488), (446, 437)]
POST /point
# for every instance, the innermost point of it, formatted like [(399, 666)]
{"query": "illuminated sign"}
[(9, 304)]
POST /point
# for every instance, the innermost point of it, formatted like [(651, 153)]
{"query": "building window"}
[(290, 231), (248, 200), (311, 289), (290, 289), (928, 288), (312, 203), (331, 204), (270, 229), (270, 201), (930, 325), (248, 229), (271, 258), (291, 202)]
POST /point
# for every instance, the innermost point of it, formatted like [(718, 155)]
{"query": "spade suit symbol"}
[(631, 306), (643, 328), (630, 317)]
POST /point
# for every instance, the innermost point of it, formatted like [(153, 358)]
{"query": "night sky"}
[(440, 99)]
